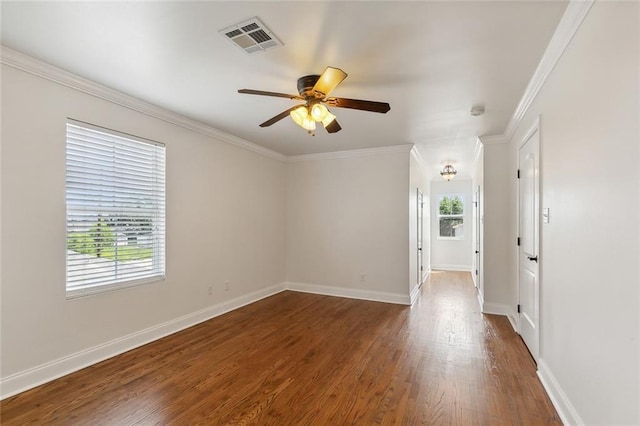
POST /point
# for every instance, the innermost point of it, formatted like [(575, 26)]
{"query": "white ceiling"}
[(432, 61)]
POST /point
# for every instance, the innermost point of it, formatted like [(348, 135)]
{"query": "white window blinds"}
[(115, 193)]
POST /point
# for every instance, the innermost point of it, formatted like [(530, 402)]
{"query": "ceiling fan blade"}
[(372, 106), (333, 127), (329, 79), (263, 93), (278, 117)]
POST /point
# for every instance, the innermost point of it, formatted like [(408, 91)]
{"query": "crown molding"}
[(493, 140), (355, 153), (477, 151), (415, 152), (49, 72), (571, 20)]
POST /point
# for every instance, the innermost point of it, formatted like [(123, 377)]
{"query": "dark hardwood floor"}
[(303, 359)]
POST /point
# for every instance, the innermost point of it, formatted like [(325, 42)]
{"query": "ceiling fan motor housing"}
[(306, 83)]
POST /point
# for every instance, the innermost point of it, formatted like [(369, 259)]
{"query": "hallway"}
[(298, 358), (485, 373)]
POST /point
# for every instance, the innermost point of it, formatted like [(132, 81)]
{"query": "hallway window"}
[(451, 216)]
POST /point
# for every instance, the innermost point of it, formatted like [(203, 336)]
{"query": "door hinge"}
[(518, 173), (518, 308), (476, 272), (518, 241), (421, 268)]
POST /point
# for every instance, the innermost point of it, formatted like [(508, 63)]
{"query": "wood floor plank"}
[(314, 360)]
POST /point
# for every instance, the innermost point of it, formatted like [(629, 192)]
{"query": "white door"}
[(420, 205), (528, 279), (476, 204)]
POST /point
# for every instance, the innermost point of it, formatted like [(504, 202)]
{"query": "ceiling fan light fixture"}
[(313, 91), (302, 118), (319, 112), (308, 124), (448, 172), (299, 114), (328, 119)]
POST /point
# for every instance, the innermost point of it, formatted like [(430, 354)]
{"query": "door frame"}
[(535, 127), (477, 249), (420, 235)]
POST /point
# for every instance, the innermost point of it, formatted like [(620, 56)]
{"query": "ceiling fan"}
[(314, 91)]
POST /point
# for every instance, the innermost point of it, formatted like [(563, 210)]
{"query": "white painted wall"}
[(232, 214), (225, 221), (418, 180), (449, 254), (499, 232), (347, 217), (590, 114)]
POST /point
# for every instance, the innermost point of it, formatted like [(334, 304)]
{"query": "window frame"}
[(454, 216), (156, 271)]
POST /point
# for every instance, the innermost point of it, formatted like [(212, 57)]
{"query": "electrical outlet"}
[(363, 277), (226, 285), (210, 291)]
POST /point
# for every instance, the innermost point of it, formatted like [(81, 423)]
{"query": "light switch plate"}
[(545, 215)]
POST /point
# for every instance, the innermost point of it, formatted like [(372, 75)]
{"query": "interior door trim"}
[(535, 127)]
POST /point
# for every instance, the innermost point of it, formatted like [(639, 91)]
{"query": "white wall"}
[(446, 254), (225, 221), (316, 224), (418, 180), (590, 114), (347, 217), (499, 242)]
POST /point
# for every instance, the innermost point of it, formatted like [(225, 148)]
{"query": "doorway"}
[(478, 224), (529, 240), (419, 239)]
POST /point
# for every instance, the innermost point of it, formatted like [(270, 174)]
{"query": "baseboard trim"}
[(559, 399), (28, 379), (36, 376), (414, 294), (416, 290), (480, 299), (453, 268), (501, 309), (514, 323), (350, 293), (426, 275)]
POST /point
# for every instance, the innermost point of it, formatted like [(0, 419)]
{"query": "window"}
[(115, 194), (451, 216)]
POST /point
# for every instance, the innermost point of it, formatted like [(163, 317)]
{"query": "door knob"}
[(533, 258)]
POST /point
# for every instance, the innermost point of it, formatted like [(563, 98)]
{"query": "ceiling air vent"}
[(251, 36)]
